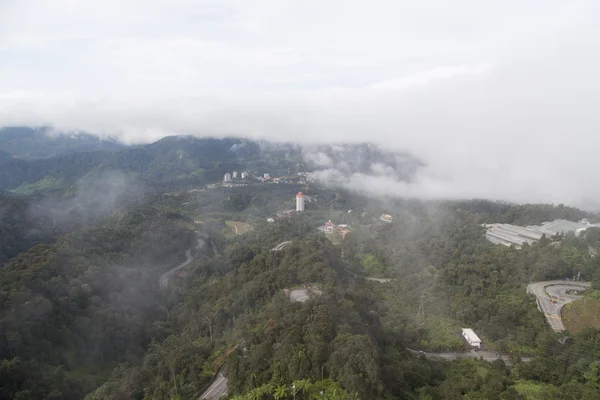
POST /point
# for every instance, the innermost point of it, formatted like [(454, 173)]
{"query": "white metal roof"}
[(470, 335)]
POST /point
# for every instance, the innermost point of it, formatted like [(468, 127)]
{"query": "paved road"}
[(163, 281), (281, 246), (544, 291), (380, 280), (486, 355), (215, 249), (217, 389), (301, 295)]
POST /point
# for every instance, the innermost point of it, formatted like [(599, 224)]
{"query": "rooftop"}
[(471, 335), (509, 235)]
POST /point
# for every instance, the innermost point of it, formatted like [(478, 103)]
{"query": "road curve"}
[(281, 246), (217, 389), (163, 281), (545, 292)]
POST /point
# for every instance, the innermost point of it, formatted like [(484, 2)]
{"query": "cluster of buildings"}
[(513, 235), (229, 177)]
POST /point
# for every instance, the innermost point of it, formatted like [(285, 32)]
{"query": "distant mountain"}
[(5, 155), (361, 158), (33, 143), (183, 161), (171, 162)]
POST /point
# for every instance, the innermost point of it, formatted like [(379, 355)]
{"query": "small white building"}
[(386, 218), (267, 176), (244, 175), (227, 177), (471, 337), (299, 202), (235, 174)]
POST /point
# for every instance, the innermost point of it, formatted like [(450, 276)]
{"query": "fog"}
[(98, 194), (497, 101)]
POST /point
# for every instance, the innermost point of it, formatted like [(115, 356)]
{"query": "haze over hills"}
[(296, 200), (138, 273), (180, 161), (33, 143)]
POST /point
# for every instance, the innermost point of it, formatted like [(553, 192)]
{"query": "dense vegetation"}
[(73, 309), (83, 314), (169, 162), (20, 229)]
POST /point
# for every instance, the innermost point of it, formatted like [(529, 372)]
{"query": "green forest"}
[(84, 316)]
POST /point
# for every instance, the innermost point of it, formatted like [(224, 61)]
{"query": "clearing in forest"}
[(581, 314), (237, 228)]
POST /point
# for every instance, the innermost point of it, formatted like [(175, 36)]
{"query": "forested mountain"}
[(4, 156), (73, 309), (170, 162), (20, 229), (33, 143), (183, 161), (86, 243)]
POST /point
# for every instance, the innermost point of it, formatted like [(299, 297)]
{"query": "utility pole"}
[(322, 386), (421, 312)]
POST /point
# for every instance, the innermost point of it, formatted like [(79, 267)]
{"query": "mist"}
[(96, 195), (494, 102)]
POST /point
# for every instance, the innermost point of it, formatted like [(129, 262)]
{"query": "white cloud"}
[(498, 98)]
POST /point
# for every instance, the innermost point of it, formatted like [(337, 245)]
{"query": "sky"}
[(499, 99)]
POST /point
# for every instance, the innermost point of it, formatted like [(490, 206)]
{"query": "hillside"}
[(84, 312), (20, 229), (172, 162), (73, 309), (182, 161), (583, 314), (33, 143)]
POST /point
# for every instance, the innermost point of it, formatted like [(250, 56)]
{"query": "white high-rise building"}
[(300, 202), (234, 174), (244, 175), (227, 177)]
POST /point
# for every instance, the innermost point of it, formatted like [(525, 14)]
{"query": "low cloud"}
[(497, 101), (98, 194)]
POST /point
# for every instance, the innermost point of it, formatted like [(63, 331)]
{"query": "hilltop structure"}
[(227, 177), (330, 227), (299, 202)]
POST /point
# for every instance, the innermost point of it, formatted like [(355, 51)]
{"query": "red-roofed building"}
[(329, 226)]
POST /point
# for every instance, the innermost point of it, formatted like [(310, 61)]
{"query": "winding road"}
[(281, 246), (217, 389), (163, 281), (552, 297)]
